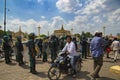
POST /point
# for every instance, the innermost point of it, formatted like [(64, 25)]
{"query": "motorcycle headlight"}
[(62, 62)]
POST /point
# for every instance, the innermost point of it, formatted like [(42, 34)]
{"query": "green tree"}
[(1, 33), (86, 35), (77, 35), (43, 35)]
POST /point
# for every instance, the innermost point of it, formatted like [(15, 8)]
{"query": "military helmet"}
[(5, 38), (31, 36), (19, 38)]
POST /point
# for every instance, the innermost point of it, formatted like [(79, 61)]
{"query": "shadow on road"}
[(39, 62), (105, 78), (12, 64), (41, 74), (25, 66), (81, 75)]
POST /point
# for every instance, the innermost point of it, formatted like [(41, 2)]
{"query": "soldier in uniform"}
[(84, 48), (53, 47), (44, 44), (19, 49), (40, 48), (6, 47), (32, 52)]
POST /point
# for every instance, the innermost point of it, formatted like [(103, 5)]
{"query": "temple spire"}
[(62, 28), (20, 29)]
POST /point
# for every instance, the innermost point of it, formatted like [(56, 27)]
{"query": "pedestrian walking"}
[(96, 46), (115, 46)]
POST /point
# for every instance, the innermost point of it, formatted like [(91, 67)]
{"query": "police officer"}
[(32, 52), (84, 48), (40, 48), (19, 49), (44, 49), (6, 47), (53, 47)]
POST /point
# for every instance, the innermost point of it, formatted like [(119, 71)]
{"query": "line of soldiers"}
[(31, 44)]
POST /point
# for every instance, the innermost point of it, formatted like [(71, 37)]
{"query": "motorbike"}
[(62, 65), (1, 54)]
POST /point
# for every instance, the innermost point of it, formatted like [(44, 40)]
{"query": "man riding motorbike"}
[(70, 49)]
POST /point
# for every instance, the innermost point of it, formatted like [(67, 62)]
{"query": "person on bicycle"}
[(70, 49)]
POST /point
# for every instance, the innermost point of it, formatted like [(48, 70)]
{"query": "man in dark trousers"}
[(44, 51), (97, 48), (53, 47), (19, 49), (32, 53), (84, 47), (40, 48), (7, 48)]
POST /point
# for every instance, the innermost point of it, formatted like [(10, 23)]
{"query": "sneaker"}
[(97, 76), (115, 61), (93, 77), (34, 72), (74, 76)]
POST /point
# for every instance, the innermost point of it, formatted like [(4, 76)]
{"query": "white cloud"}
[(114, 17), (43, 17), (95, 6), (97, 19), (68, 5), (31, 25), (57, 22), (90, 17)]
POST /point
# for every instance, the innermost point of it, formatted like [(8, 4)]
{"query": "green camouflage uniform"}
[(32, 53)]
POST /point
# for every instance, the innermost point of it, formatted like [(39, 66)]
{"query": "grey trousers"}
[(98, 62)]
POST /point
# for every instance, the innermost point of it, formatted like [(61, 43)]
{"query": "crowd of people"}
[(97, 46)]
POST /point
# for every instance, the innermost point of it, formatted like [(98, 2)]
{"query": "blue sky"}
[(81, 15)]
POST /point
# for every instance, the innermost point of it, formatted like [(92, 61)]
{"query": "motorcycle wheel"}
[(78, 66), (54, 73)]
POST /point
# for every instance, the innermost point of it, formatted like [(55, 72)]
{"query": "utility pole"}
[(5, 16), (104, 30), (0, 27)]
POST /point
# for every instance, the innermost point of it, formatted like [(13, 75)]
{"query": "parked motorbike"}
[(62, 65)]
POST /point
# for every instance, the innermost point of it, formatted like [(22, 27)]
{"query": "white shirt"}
[(115, 45), (70, 47)]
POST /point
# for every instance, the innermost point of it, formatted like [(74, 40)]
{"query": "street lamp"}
[(5, 16)]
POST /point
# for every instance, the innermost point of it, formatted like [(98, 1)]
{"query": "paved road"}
[(15, 72)]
